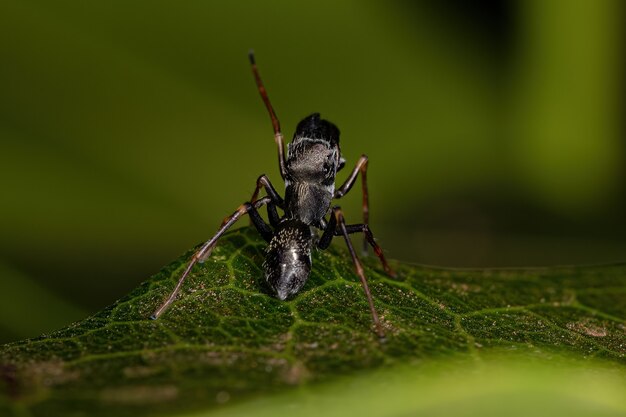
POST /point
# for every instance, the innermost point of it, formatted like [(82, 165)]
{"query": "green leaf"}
[(227, 346)]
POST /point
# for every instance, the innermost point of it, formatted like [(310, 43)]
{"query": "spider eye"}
[(342, 163)]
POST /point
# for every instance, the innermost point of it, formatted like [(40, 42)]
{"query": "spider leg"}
[(329, 232), (203, 253), (277, 200), (337, 226), (369, 236), (332, 230), (278, 136), (361, 167)]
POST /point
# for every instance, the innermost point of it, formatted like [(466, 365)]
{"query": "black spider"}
[(313, 159)]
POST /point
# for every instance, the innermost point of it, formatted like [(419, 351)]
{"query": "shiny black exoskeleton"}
[(313, 159), (309, 170)]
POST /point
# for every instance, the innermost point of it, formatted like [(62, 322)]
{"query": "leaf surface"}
[(226, 341)]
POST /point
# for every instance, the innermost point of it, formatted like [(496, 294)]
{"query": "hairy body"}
[(309, 171)]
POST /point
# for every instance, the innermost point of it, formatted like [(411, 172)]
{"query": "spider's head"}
[(288, 258)]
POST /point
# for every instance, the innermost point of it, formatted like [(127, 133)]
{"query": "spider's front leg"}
[(361, 167), (203, 253), (278, 136)]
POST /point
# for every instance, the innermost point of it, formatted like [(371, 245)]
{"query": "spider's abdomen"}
[(313, 158), (288, 258)]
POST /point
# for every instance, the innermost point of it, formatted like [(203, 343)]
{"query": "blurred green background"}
[(128, 130)]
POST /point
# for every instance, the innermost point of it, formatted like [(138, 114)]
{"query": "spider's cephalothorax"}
[(309, 171), (288, 258)]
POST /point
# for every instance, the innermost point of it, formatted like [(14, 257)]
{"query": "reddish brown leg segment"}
[(341, 225), (369, 236), (366, 200), (205, 251), (277, 200), (264, 182), (278, 136), (361, 167)]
